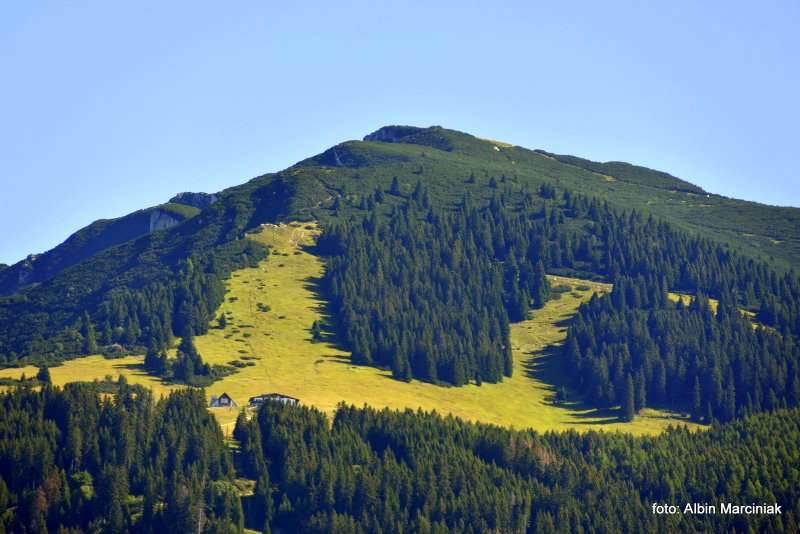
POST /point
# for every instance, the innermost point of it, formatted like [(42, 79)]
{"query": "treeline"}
[(385, 471), (637, 348), (73, 461), (430, 293)]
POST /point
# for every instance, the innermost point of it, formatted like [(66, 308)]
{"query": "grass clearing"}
[(278, 302), (321, 374), (713, 304)]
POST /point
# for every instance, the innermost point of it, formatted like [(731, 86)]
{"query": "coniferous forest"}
[(74, 461), (434, 243)]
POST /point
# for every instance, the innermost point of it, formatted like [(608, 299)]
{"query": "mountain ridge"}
[(346, 181), (98, 236)]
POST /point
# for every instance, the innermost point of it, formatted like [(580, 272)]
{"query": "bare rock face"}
[(434, 137), (393, 134), (198, 200), (160, 219)]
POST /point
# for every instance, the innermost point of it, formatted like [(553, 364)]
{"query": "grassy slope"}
[(321, 374)]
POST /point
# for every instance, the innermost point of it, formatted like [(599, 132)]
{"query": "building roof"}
[(272, 396)]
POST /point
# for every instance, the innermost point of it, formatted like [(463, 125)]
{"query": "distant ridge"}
[(97, 237)]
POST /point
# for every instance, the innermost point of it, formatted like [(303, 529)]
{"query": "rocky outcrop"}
[(434, 137), (160, 219), (198, 200), (393, 134)]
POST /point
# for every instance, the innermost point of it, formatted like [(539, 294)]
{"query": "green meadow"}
[(269, 311)]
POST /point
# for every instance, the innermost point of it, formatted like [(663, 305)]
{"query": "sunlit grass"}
[(285, 360)]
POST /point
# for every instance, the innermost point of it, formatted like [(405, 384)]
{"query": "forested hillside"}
[(434, 242), (90, 240), (432, 298), (384, 471), (339, 184), (72, 460), (637, 348)]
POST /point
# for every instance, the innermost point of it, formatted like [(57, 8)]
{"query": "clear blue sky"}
[(106, 108)]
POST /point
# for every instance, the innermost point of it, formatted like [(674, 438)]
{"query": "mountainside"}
[(123, 254), (97, 237), (419, 272)]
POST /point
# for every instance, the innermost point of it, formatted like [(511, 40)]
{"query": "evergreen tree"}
[(43, 375), (316, 332), (89, 338), (628, 406)]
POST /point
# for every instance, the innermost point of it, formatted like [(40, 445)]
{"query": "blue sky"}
[(106, 108)]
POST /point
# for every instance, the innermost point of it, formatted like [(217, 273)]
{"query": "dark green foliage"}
[(71, 459), (43, 375), (98, 236), (89, 337), (188, 363), (385, 471), (429, 294), (316, 331), (685, 357), (630, 173), (188, 366), (628, 401)]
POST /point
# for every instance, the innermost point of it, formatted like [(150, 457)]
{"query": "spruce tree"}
[(628, 402), (89, 337), (43, 375), (316, 331)]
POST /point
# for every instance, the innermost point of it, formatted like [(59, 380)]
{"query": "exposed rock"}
[(393, 134), (198, 200), (434, 137), (160, 219), (341, 156)]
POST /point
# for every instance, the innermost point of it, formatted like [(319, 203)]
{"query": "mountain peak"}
[(434, 136), (198, 200)]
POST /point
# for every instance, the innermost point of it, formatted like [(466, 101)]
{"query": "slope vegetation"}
[(286, 360), (88, 241), (270, 309)]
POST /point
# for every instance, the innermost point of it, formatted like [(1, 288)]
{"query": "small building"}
[(223, 401), (258, 400)]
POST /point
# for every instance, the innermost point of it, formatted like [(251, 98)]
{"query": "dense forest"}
[(385, 471), (73, 460), (637, 348), (431, 295)]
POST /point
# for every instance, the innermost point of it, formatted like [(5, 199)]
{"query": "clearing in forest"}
[(269, 311)]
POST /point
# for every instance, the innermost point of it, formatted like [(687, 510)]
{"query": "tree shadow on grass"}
[(315, 285), (138, 369), (545, 366)]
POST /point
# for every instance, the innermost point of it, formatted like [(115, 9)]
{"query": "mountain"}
[(431, 264), (124, 256), (97, 237)]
